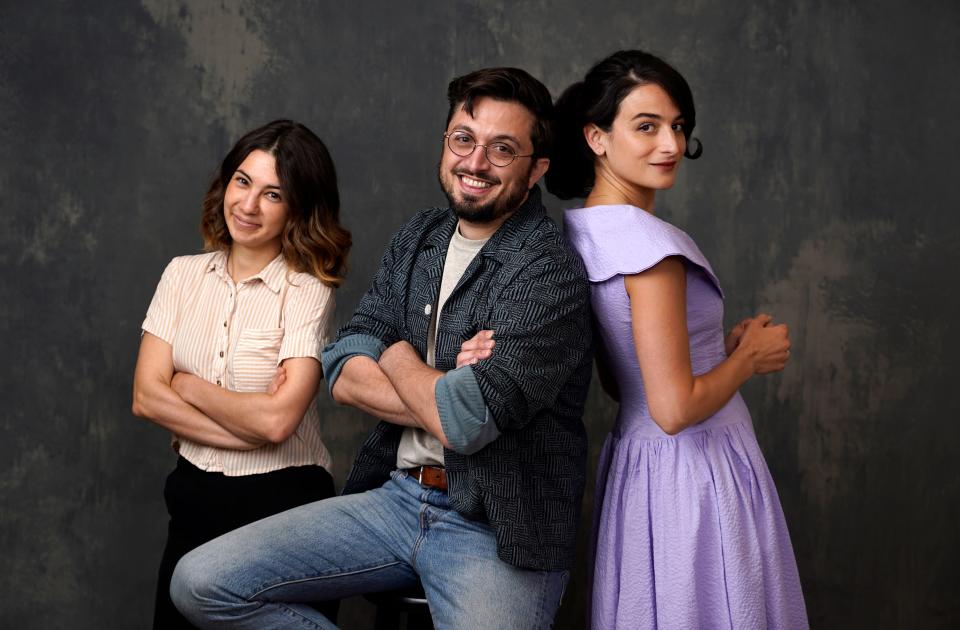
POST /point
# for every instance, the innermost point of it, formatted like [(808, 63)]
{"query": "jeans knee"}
[(190, 586)]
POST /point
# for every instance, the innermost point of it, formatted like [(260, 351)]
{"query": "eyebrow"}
[(502, 136), (242, 172), (654, 116)]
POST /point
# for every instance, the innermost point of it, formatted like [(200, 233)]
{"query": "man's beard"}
[(470, 209)]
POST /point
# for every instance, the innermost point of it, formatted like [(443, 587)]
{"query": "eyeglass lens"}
[(498, 153)]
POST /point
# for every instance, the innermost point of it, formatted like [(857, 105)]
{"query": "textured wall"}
[(826, 194)]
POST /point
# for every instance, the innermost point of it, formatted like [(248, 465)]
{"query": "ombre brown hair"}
[(313, 240)]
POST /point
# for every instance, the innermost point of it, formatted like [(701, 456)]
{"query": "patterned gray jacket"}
[(530, 289)]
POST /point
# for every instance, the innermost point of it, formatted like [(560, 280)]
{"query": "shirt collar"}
[(515, 231), (273, 275), (218, 264)]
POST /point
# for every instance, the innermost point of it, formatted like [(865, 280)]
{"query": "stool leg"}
[(419, 619), (388, 618)]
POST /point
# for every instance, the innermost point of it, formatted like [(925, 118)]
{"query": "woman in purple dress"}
[(689, 532)]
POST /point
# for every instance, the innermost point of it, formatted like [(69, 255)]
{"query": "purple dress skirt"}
[(688, 529)]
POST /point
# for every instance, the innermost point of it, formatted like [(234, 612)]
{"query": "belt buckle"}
[(419, 475), (429, 477)]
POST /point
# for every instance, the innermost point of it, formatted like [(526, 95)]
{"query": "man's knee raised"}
[(189, 585)]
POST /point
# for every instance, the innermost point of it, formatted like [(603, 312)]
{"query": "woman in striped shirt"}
[(229, 360)]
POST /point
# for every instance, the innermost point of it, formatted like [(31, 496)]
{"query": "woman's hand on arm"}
[(155, 400), (732, 340), (677, 398), (257, 416), (765, 345), (279, 378)]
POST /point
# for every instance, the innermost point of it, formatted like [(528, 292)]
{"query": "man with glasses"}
[(472, 347)]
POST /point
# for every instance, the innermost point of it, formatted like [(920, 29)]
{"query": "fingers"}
[(764, 320), (469, 357), (741, 326), (774, 364), (477, 348), (279, 377), (483, 339), (768, 343), (779, 341), (778, 353)]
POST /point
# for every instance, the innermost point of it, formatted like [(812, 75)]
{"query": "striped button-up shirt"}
[(235, 335)]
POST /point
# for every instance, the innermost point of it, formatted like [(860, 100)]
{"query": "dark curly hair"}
[(597, 100), (512, 85), (313, 240)]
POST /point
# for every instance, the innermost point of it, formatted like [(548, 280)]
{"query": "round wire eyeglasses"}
[(497, 153)]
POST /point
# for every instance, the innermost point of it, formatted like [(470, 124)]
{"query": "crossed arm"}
[(200, 411), (391, 383), (399, 388), (394, 384), (372, 368)]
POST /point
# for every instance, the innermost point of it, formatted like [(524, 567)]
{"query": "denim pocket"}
[(555, 586)]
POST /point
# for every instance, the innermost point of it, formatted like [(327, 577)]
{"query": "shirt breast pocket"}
[(255, 358)]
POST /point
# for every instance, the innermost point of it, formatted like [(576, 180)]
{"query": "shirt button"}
[(426, 309), (218, 382), (221, 354), (224, 324)]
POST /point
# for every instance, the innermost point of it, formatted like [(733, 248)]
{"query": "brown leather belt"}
[(429, 476)]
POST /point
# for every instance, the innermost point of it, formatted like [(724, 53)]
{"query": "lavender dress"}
[(689, 532)]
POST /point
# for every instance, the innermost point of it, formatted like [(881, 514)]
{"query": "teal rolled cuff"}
[(464, 417), (335, 354)]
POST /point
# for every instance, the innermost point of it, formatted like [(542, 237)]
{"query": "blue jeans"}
[(262, 575)]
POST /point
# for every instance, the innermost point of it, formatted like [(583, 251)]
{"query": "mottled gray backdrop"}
[(826, 194)]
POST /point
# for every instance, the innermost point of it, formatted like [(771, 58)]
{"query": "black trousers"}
[(203, 505)]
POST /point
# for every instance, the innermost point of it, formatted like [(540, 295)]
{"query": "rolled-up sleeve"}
[(336, 354), (466, 421), (373, 325)]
